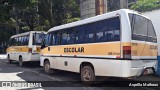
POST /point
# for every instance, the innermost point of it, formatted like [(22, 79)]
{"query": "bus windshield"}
[(142, 28), (37, 38)]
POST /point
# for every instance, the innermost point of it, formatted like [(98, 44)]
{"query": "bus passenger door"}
[(49, 50)]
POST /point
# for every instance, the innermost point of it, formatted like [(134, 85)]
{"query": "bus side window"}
[(68, 36), (64, 37), (109, 35), (48, 40), (58, 38), (90, 33), (113, 34), (16, 43), (53, 42), (80, 32), (116, 34), (101, 27), (27, 40), (71, 36), (24, 40), (20, 39)]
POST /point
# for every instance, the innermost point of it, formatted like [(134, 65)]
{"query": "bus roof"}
[(26, 33), (95, 18)]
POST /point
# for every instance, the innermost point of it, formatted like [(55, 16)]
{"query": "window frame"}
[(80, 28), (83, 28), (140, 37)]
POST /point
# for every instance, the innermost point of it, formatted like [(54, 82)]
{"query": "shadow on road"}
[(32, 72)]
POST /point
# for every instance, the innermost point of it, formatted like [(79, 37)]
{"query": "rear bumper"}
[(35, 57), (132, 68), (32, 57)]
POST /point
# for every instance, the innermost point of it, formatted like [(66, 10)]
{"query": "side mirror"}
[(42, 46)]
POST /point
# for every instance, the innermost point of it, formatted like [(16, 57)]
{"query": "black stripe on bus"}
[(97, 57), (144, 38)]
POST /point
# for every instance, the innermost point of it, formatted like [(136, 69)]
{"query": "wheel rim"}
[(86, 75), (47, 67)]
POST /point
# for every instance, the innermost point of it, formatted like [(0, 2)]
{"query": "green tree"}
[(15, 5), (58, 12), (29, 16), (4, 12), (145, 5), (38, 14)]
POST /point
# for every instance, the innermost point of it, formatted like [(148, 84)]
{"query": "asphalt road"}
[(32, 72)]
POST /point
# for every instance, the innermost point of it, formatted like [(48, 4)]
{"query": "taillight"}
[(126, 52), (30, 50), (118, 56)]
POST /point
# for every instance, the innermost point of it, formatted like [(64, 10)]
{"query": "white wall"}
[(155, 18)]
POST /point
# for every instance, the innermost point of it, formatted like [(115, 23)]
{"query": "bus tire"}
[(87, 75), (9, 60), (47, 68), (21, 63)]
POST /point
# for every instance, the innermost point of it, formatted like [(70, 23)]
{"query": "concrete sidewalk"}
[(3, 56)]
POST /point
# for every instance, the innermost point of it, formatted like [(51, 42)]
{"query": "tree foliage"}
[(38, 14), (17, 16), (146, 5), (113, 5), (57, 12)]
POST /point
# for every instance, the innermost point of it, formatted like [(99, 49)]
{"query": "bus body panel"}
[(136, 67), (104, 49), (125, 27), (26, 51), (144, 50), (58, 55), (107, 58), (25, 55), (102, 67)]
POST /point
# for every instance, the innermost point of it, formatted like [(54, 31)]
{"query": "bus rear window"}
[(142, 28), (37, 38)]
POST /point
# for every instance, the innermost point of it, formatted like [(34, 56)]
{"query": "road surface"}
[(60, 79)]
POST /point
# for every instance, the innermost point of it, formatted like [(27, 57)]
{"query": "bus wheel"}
[(47, 68), (20, 62), (87, 75), (9, 60)]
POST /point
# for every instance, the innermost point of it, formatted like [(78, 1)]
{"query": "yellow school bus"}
[(25, 47), (121, 43)]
